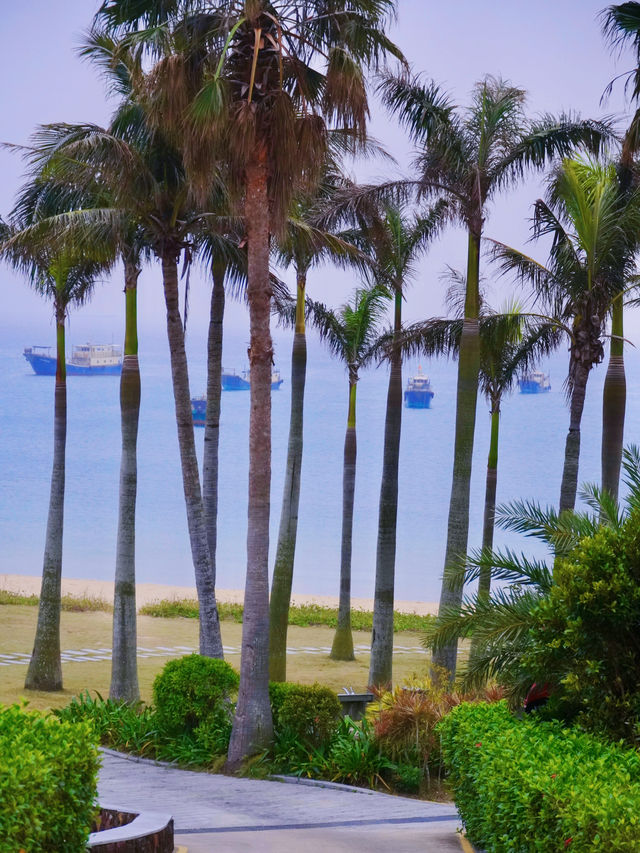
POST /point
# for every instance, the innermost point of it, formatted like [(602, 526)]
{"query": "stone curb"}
[(137, 759), (323, 783)]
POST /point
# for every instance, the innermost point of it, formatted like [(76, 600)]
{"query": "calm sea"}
[(532, 443)]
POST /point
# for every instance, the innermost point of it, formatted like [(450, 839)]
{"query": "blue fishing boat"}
[(232, 381), (535, 382), (86, 360), (418, 393)]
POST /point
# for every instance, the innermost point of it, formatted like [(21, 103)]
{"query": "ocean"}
[(533, 431)]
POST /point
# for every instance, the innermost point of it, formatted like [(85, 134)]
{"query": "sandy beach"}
[(148, 592)]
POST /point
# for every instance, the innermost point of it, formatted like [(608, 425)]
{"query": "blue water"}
[(532, 443)]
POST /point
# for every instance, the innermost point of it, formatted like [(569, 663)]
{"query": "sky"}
[(553, 48)]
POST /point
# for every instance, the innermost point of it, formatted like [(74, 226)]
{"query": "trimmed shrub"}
[(193, 691), (48, 782), (309, 713), (526, 785)]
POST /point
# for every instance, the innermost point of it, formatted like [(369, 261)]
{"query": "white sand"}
[(148, 592)]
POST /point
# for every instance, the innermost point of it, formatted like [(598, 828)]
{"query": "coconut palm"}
[(594, 232), (470, 158), (278, 74), (66, 278), (353, 335)]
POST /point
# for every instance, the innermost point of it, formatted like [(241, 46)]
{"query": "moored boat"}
[(86, 360), (534, 382), (232, 381), (418, 393)]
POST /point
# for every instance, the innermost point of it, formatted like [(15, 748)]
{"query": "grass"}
[(302, 615), (70, 603), (93, 630)]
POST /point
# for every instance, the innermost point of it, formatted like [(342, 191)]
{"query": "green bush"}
[(48, 782), (191, 692), (309, 713), (533, 786), (586, 634)]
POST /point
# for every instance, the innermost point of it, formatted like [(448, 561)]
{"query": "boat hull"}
[(234, 382), (418, 399), (45, 365), (533, 388)]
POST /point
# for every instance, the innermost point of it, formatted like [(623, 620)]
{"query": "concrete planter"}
[(129, 832)]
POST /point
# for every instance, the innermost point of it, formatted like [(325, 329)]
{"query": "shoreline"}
[(146, 593)]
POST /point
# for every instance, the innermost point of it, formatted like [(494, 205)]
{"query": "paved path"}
[(223, 813)]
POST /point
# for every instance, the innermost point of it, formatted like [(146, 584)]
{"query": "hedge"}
[(48, 782), (526, 785)]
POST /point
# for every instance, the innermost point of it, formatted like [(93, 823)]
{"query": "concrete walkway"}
[(223, 813)]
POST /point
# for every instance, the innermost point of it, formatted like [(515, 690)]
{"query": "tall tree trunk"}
[(124, 664), (287, 534), (381, 665), (45, 668), (252, 725), (210, 640), (569, 486), (212, 423), (466, 401), (342, 648), (484, 583), (614, 400)]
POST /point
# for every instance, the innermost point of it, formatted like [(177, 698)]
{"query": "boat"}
[(535, 382), (86, 360), (232, 381), (418, 393)]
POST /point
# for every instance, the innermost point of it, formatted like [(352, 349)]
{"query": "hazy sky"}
[(552, 48)]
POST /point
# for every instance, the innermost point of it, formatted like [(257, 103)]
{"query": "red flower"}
[(568, 842), (479, 743), (553, 775)]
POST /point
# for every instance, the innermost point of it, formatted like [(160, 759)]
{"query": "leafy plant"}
[(193, 691), (48, 782), (355, 757)]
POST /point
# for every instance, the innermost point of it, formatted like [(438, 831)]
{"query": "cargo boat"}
[(418, 394), (231, 381), (86, 360)]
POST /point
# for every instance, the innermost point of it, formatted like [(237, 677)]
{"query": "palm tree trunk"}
[(287, 534), (614, 400), (210, 640), (124, 664), (569, 486), (484, 583), (342, 648), (45, 668), (212, 423), (252, 725), (381, 665), (466, 402)]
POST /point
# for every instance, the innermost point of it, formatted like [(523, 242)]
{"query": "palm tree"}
[(469, 159), (353, 336), (302, 246), (594, 232), (66, 279), (148, 185), (278, 73)]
